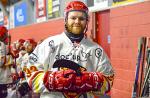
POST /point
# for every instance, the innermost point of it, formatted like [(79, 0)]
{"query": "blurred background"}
[(116, 25)]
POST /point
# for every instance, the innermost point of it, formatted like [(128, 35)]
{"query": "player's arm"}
[(36, 68), (104, 67)]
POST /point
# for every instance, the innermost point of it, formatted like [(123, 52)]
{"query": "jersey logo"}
[(33, 58), (52, 46), (98, 52)]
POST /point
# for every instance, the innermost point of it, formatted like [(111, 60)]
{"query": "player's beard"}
[(75, 29)]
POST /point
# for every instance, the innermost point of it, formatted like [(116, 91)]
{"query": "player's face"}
[(29, 47), (76, 22)]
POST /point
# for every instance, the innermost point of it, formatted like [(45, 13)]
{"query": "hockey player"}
[(96, 73), (29, 45), (6, 62), (4, 35)]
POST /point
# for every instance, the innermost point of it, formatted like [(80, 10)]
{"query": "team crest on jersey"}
[(98, 52), (33, 58), (52, 46)]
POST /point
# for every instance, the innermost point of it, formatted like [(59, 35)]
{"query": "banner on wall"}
[(11, 17), (50, 8), (101, 3), (1, 18), (20, 14), (53, 9), (119, 2), (40, 10)]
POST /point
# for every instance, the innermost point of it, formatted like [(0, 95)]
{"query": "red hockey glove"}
[(89, 81), (59, 80), (68, 81)]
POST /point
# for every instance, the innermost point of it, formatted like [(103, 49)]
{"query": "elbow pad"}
[(69, 81)]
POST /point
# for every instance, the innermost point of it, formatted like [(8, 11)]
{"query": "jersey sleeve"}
[(103, 66), (36, 67)]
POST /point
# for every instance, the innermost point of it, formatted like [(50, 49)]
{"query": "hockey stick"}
[(140, 46), (68, 64), (145, 82), (143, 57), (147, 74)]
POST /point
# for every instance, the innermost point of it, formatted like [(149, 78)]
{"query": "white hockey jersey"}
[(86, 53), (6, 71), (5, 65)]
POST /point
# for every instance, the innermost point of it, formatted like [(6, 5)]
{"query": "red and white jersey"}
[(86, 53)]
